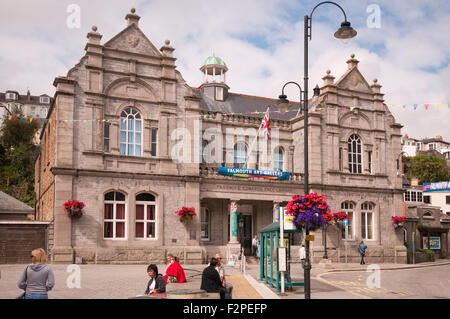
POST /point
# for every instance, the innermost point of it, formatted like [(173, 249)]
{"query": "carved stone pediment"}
[(132, 39), (354, 81)]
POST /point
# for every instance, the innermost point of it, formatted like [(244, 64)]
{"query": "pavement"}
[(339, 281)]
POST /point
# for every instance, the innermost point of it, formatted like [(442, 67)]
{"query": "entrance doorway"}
[(245, 233)]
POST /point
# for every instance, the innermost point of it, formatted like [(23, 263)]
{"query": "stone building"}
[(115, 124), (35, 106)]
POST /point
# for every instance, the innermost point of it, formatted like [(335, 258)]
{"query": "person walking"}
[(255, 244), (221, 270), (211, 280), (37, 278), (362, 251), (302, 255)]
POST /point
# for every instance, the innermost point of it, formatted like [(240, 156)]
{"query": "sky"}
[(403, 43)]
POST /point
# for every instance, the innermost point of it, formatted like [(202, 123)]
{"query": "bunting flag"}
[(415, 106)]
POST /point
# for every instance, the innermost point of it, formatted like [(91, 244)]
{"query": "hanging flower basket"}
[(186, 213), (309, 210), (398, 221), (335, 218), (74, 208)]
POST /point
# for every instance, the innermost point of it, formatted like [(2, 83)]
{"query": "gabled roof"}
[(129, 35), (355, 77), (9, 204)]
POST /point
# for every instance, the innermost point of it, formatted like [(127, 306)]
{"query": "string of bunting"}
[(205, 116)]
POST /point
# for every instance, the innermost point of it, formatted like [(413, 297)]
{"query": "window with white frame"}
[(145, 216), (278, 159), (219, 94), (130, 132), (354, 154), (240, 154), (205, 223), (348, 207), (407, 196), (114, 217), (11, 96), (44, 99), (413, 196), (367, 221)]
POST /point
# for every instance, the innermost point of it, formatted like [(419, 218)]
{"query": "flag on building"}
[(265, 124)]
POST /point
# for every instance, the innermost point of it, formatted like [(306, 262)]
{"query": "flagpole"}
[(251, 147)]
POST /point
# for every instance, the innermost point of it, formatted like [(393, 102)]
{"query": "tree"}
[(17, 156), (427, 168)]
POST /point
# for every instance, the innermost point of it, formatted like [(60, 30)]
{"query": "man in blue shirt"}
[(362, 251)]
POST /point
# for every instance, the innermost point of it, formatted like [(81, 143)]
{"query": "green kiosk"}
[(271, 257)]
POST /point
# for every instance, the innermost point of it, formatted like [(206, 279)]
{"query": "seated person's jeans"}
[(36, 296)]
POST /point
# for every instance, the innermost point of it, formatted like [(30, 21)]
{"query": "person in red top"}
[(174, 273)]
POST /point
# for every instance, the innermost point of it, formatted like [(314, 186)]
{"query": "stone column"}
[(233, 246), (276, 212)]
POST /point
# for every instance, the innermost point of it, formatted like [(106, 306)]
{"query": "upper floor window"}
[(44, 100), (278, 159), (154, 141), (431, 147), (354, 154), (106, 127), (11, 96), (240, 154), (219, 94), (130, 132), (145, 216), (114, 220)]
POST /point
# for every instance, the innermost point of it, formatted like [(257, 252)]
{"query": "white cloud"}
[(261, 44)]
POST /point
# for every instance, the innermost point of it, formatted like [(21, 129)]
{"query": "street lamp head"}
[(345, 32), (282, 101), (316, 90)]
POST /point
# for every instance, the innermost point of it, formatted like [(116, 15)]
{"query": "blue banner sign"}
[(248, 172), (436, 187)]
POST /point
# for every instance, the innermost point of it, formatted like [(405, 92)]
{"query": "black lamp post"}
[(345, 32), (325, 254)]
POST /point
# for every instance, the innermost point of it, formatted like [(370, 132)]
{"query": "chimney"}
[(132, 17)]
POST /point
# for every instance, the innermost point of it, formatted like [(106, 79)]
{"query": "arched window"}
[(349, 208), (114, 218), (354, 154), (240, 154), (367, 221), (278, 159), (130, 132), (145, 216)]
